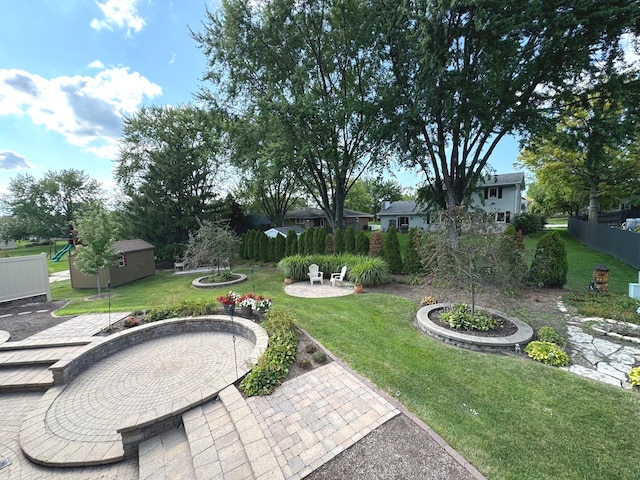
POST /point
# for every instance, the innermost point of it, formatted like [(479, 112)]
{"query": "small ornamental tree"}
[(375, 244), (272, 249), (97, 231), (213, 244), (549, 267), (362, 244), (302, 243), (291, 247), (256, 246), (392, 251), (350, 240), (412, 262), (248, 248), (338, 242)]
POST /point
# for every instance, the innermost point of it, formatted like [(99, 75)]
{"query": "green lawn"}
[(510, 417), (48, 250)]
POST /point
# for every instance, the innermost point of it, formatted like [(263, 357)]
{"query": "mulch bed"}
[(507, 328)]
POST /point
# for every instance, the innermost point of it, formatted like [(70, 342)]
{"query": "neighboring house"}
[(275, 231), (134, 260), (499, 194), (314, 217), (402, 216)]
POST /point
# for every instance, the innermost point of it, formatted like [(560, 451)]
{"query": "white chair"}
[(338, 277), (314, 274)]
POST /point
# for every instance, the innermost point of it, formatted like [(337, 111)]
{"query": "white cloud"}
[(86, 110), (12, 161), (97, 64), (119, 13), (173, 58)]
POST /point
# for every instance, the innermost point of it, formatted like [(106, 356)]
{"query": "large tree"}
[(591, 147), (314, 66), (45, 207), (468, 73), (169, 168), (268, 179)]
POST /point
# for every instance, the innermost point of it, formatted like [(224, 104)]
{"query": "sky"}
[(71, 70)]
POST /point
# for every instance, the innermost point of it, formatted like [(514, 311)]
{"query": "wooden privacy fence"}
[(622, 244), (24, 277)]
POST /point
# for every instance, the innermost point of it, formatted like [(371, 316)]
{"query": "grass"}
[(48, 250), (510, 417)]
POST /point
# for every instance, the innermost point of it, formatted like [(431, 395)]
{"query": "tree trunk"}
[(592, 210), (98, 282)]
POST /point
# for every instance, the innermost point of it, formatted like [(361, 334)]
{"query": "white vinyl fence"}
[(24, 277)]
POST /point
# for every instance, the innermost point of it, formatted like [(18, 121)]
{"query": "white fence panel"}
[(24, 277)]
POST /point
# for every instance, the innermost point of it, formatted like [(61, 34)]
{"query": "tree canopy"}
[(170, 169), (45, 207), (314, 66), (468, 73)]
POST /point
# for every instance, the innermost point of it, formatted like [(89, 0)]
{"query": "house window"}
[(121, 260), (492, 192), (503, 217), (392, 222), (403, 220), (299, 221)]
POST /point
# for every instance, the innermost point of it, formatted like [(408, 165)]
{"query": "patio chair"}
[(314, 274), (338, 277)]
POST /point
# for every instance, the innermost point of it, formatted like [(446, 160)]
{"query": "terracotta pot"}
[(288, 281), (358, 288)]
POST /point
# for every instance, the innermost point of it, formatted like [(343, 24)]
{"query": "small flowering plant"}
[(263, 303), (228, 298), (247, 300)]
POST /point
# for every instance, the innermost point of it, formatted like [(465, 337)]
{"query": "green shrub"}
[(291, 247), (319, 356), (305, 363), (369, 272), (391, 251), (310, 347), (548, 334), (362, 244), (280, 248), (634, 377), (350, 240), (319, 240), (528, 222), (295, 267), (412, 262), (274, 364), (186, 308), (329, 244), (547, 352), (460, 317), (549, 267)]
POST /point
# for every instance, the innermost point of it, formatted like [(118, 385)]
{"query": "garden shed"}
[(134, 260)]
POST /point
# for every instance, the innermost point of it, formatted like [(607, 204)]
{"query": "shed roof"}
[(127, 246), (308, 212), (407, 207), (275, 231)]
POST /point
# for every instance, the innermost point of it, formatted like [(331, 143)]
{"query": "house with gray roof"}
[(499, 194), (314, 217)]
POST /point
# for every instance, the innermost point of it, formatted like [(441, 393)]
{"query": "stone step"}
[(37, 343), (216, 447), (165, 457), (36, 378), (261, 458), (34, 356)]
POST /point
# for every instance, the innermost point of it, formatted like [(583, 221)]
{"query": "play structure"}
[(61, 253)]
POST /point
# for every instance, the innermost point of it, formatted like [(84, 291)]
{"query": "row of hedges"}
[(361, 270)]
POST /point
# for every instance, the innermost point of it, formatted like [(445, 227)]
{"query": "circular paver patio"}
[(306, 290)]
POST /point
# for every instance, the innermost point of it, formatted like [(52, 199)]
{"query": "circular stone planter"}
[(474, 342), (200, 283)]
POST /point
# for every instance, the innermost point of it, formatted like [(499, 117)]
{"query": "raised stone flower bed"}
[(460, 338), (203, 282)]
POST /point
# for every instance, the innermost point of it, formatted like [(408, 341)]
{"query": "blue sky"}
[(70, 70)]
